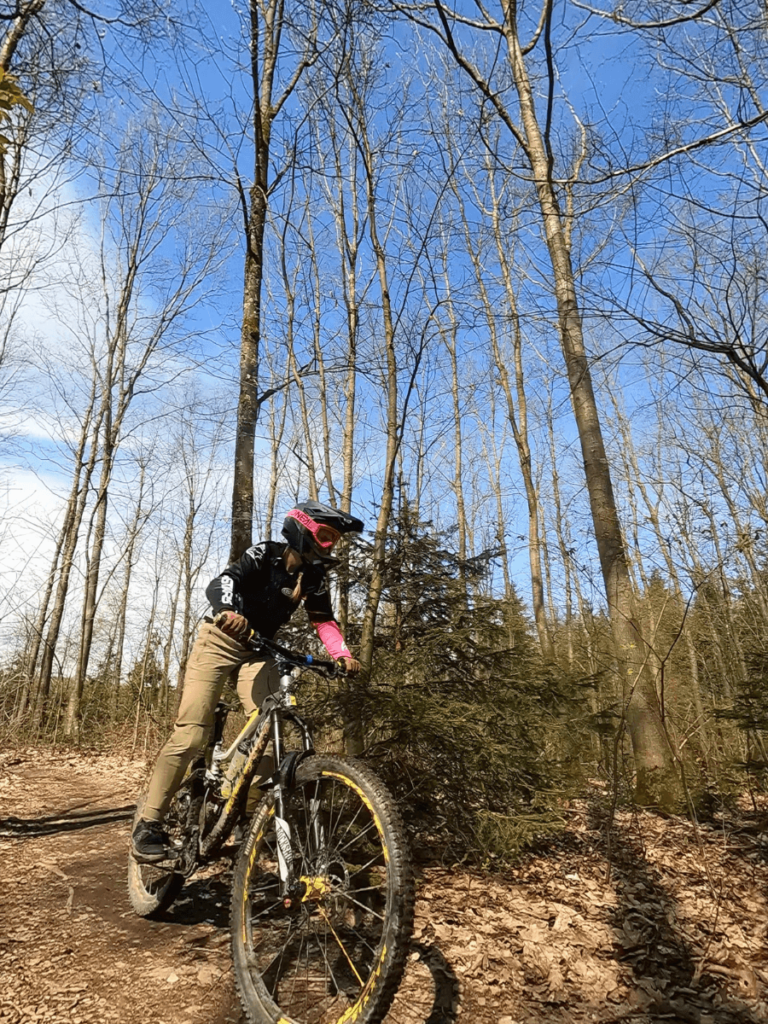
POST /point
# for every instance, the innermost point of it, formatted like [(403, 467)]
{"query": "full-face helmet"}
[(312, 529)]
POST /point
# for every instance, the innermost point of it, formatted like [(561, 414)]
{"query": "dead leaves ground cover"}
[(673, 927)]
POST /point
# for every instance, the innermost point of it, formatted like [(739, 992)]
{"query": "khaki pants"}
[(214, 659)]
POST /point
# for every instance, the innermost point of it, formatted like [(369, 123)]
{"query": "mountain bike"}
[(322, 896)]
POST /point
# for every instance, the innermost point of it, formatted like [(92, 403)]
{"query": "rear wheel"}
[(334, 952), (152, 888)]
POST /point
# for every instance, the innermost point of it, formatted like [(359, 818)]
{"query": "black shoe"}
[(150, 842)]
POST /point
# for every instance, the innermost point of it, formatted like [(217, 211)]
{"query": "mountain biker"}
[(261, 590)]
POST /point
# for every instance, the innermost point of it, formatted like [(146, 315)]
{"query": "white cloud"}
[(30, 512)]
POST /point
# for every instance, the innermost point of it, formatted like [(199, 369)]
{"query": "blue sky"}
[(605, 75)]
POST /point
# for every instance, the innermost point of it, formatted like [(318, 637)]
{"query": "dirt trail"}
[(70, 947), (671, 935)]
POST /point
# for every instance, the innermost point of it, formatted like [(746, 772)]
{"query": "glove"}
[(351, 665), (232, 624)]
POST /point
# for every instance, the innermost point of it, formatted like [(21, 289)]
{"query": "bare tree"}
[(389, 376), (64, 553), (339, 184), (530, 138), (272, 85), (131, 550), (512, 385), (200, 489), (142, 206)]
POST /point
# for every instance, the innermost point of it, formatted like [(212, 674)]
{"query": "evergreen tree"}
[(461, 717)]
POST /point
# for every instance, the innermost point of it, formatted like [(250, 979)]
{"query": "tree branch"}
[(546, 15), (620, 20), (687, 147), (475, 74)]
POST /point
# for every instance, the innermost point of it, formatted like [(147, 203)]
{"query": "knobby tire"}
[(337, 954), (152, 888)]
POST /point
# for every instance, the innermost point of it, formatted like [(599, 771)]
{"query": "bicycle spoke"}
[(325, 958), (349, 826), (357, 903), (318, 948), (341, 945), (293, 989), (368, 827), (341, 809), (366, 888), (364, 867)]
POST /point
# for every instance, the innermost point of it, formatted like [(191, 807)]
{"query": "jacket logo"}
[(227, 589), (287, 591)]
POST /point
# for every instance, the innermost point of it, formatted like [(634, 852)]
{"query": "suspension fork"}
[(282, 827), (308, 744), (290, 885)]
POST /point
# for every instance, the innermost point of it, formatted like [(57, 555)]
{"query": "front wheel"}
[(335, 952)]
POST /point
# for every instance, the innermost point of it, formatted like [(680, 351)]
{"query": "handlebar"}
[(260, 643)]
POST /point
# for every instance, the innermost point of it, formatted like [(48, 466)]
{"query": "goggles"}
[(324, 536)]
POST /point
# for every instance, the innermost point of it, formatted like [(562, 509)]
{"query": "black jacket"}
[(259, 587)]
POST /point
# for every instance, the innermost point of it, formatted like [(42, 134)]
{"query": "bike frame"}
[(263, 725)]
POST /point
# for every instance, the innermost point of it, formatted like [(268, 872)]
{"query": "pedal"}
[(170, 856)]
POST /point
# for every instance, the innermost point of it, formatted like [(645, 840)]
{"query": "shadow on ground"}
[(55, 824), (201, 901), (446, 1005), (207, 902), (670, 972)]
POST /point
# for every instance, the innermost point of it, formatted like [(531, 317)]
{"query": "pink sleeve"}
[(330, 634)]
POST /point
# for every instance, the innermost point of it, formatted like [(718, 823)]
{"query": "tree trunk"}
[(267, 20), (306, 425), (69, 525), (657, 781), (116, 662), (563, 547), (516, 402), (72, 716), (250, 337), (376, 585), (276, 432), (70, 536)]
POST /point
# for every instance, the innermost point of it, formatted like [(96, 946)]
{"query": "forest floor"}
[(667, 923)]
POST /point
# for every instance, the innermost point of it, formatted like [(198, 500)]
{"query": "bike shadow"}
[(670, 971), (429, 991), (202, 901), (446, 1005), (54, 824)]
